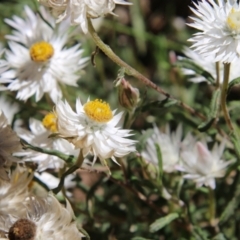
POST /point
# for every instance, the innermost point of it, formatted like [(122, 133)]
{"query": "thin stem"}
[(138, 194), (79, 159), (71, 170), (212, 207), (212, 211), (224, 96), (132, 72), (218, 75), (61, 183), (64, 157)]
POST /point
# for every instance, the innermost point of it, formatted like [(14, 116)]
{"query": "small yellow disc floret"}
[(50, 122), (98, 111), (41, 51), (233, 20)]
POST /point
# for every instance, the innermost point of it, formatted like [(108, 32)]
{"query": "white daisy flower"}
[(219, 30), (9, 108), (94, 129), (80, 10), (38, 136), (9, 143), (169, 144), (45, 218), (202, 165), (209, 66), (38, 58)]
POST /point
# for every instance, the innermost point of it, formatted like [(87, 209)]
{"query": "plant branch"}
[(64, 157), (224, 96), (132, 72), (128, 187), (71, 170)]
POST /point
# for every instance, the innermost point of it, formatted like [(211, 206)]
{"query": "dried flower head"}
[(80, 10)]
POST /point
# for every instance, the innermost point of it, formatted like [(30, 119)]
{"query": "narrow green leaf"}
[(233, 83), (166, 103), (229, 211), (54, 135), (65, 157), (213, 112), (215, 104), (199, 233), (204, 126), (142, 139), (162, 222), (160, 162), (189, 64), (86, 235)]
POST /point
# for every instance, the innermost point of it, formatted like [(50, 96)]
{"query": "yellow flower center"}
[(98, 111), (233, 20), (50, 122), (41, 51)]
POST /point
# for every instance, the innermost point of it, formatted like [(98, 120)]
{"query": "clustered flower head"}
[(218, 26), (202, 165), (189, 156), (39, 136), (80, 10), (38, 58), (169, 144), (94, 128)]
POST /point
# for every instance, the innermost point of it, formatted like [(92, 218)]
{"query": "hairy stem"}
[(224, 96)]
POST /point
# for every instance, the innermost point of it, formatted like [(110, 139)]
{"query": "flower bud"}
[(128, 96)]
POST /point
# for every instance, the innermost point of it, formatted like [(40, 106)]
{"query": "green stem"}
[(72, 169), (64, 157), (224, 96), (212, 207), (218, 75), (61, 183), (132, 72), (79, 159)]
